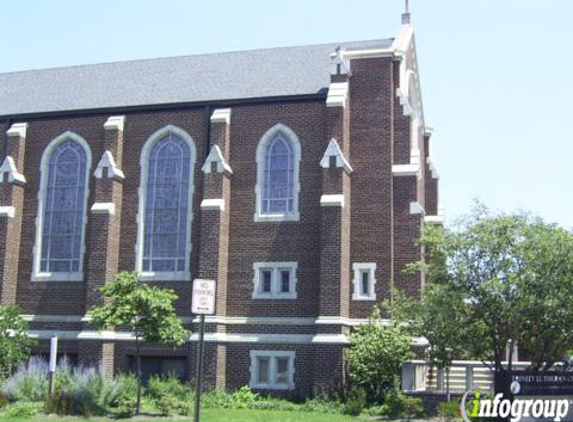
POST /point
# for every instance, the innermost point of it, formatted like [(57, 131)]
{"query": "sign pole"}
[(202, 303), (53, 362), (200, 349)]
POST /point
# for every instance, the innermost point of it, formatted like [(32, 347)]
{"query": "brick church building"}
[(298, 178)]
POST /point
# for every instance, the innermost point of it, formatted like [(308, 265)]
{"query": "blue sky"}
[(496, 75)]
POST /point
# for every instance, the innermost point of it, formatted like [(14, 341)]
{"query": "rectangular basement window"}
[(274, 280), (272, 370)]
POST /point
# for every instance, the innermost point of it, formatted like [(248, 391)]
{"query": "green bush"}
[(355, 402), (412, 407), (170, 396), (323, 404), (244, 397), (275, 404), (375, 356), (374, 411), (120, 396), (449, 411), (170, 385), (21, 410), (217, 399), (398, 405), (60, 404)]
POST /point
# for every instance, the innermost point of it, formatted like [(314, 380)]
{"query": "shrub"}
[(217, 399), (374, 411), (275, 404), (15, 348), (22, 410), (397, 405), (120, 396), (170, 395), (244, 397), (355, 402), (60, 404), (323, 404), (375, 356), (86, 389), (412, 407), (160, 386), (29, 383), (449, 411)]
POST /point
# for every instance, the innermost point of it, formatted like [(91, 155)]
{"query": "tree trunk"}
[(138, 360)]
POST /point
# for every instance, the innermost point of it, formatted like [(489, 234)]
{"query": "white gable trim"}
[(18, 129), (107, 161), (333, 150), (9, 167), (216, 156)]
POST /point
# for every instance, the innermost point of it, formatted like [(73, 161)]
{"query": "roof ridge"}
[(215, 53)]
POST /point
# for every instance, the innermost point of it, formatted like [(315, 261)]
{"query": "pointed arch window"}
[(164, 243), (278, 186), (62, 210)]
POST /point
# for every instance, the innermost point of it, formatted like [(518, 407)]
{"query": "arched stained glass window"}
[(278, 189), (63, 208), (278, 158), (166, 207)]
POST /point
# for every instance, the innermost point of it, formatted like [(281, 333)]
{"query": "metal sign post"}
[(53, 362), (202, 303)]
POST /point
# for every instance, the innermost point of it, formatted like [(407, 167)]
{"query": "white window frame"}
[(144, 165), (273, 355), (37, 275), (276, 281), (267, 138), (359, 268)]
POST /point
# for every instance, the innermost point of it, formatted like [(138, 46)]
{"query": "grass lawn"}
[(215, 415)]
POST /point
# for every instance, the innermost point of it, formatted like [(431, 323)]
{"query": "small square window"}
[(364, 281), (275, 280), (272, 370)]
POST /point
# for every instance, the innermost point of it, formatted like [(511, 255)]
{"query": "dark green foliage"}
[(147, 310), (355, 402), (170, 395), (14, 342), (449, 411), (375, 356)]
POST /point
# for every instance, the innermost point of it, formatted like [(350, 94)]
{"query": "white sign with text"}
[(203, 300)]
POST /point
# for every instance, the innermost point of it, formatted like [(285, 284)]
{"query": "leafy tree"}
[(510, 278), (14, 342), (439, 316), (147, 311), (375, 356)]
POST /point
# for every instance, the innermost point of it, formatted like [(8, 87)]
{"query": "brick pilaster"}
[(335, 205), (214, 249), (11, 207), (105, 213)]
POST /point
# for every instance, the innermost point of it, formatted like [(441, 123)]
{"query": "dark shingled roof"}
[(273, 72)]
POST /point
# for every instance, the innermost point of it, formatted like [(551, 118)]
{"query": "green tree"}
[(512, 279), (375, 356), (439, 317), (147, 311), (15, 344)]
